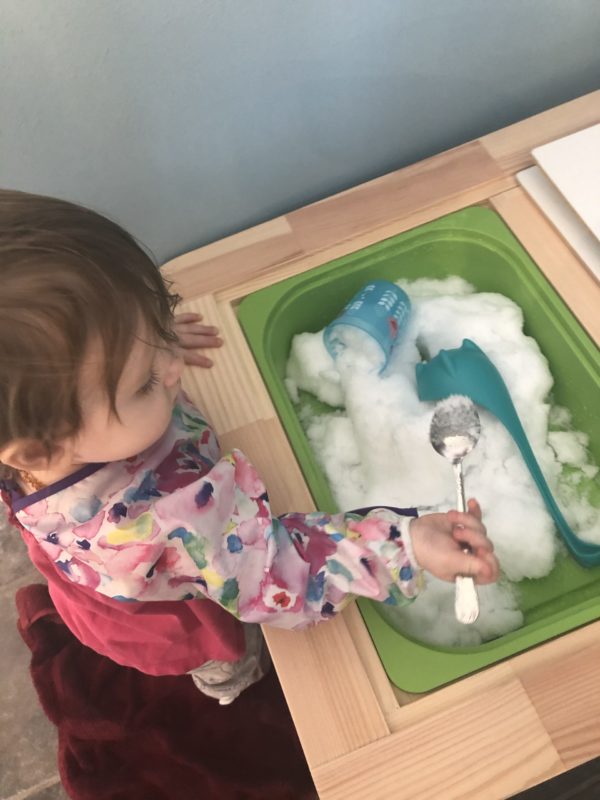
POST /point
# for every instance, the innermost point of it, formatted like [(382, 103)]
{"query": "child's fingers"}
[(474, 508), (489, 568), (483, 568), (195, 359), (490, 571), (187, 316), (470, 565), (197, 328), (475, 538), (465, 520), (189, 324), (193, 337), (196, 341)]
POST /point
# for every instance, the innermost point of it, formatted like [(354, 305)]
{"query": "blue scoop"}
[(467, 370)]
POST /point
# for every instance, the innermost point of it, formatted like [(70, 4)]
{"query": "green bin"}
[(476, 245)]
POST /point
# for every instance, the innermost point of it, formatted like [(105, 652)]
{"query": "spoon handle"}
[(466, 602), (461, 503)]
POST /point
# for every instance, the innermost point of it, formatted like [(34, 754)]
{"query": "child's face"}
[(145, 397)]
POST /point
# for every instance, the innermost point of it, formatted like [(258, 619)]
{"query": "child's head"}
[(88, 372)]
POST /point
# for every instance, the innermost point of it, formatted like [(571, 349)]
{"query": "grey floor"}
[(28, 747)]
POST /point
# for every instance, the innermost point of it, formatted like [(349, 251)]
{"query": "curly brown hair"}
[(67, 275)]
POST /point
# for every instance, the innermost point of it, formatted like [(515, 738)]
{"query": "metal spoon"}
[(454, 432)]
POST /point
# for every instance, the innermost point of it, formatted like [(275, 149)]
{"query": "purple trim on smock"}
[(402, 512), (20, 501)]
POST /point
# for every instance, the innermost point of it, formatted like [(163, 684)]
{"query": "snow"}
[(374, 447)]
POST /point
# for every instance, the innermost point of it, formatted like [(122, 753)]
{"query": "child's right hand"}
[(437, 542)]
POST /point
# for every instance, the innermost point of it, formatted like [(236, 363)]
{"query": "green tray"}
[(476, 245)]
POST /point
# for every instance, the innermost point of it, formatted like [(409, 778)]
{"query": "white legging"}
[(226, 680)]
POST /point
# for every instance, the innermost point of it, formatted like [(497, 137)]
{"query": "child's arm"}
[(300, 568)]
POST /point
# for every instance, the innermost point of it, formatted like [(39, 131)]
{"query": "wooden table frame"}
[(514, 724)]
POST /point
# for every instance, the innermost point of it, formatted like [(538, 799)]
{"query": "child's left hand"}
[(193, 336)]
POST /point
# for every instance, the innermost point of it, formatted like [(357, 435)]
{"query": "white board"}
[(573, 165), (562, 216)]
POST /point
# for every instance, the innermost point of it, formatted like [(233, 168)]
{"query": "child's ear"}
[(30, 455)]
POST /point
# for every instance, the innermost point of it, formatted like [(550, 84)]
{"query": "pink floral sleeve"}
[(287, 572)]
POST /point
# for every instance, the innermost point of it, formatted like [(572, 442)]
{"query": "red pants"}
[(123, 735)]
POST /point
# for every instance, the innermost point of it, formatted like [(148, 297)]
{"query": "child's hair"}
[(67, 276)]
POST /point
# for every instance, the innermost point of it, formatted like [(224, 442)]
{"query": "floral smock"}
[(180, 522)]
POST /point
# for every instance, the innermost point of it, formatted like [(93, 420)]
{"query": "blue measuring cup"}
[(380, 309)]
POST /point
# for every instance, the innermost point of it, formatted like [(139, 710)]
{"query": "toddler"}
[(160, 552)]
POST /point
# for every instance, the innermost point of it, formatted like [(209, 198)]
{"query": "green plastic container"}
[(476, 245)]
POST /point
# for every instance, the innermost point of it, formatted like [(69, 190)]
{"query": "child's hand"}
[(194, 336), (437, 545)]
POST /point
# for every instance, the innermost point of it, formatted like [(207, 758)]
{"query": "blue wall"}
[(191, 119)]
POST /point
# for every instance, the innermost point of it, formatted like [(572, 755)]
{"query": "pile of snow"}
[(374, 447)]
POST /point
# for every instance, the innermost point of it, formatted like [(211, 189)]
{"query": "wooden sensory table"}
[(514, 724)]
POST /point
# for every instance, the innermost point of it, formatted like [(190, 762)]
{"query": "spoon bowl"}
[(455, 428)]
